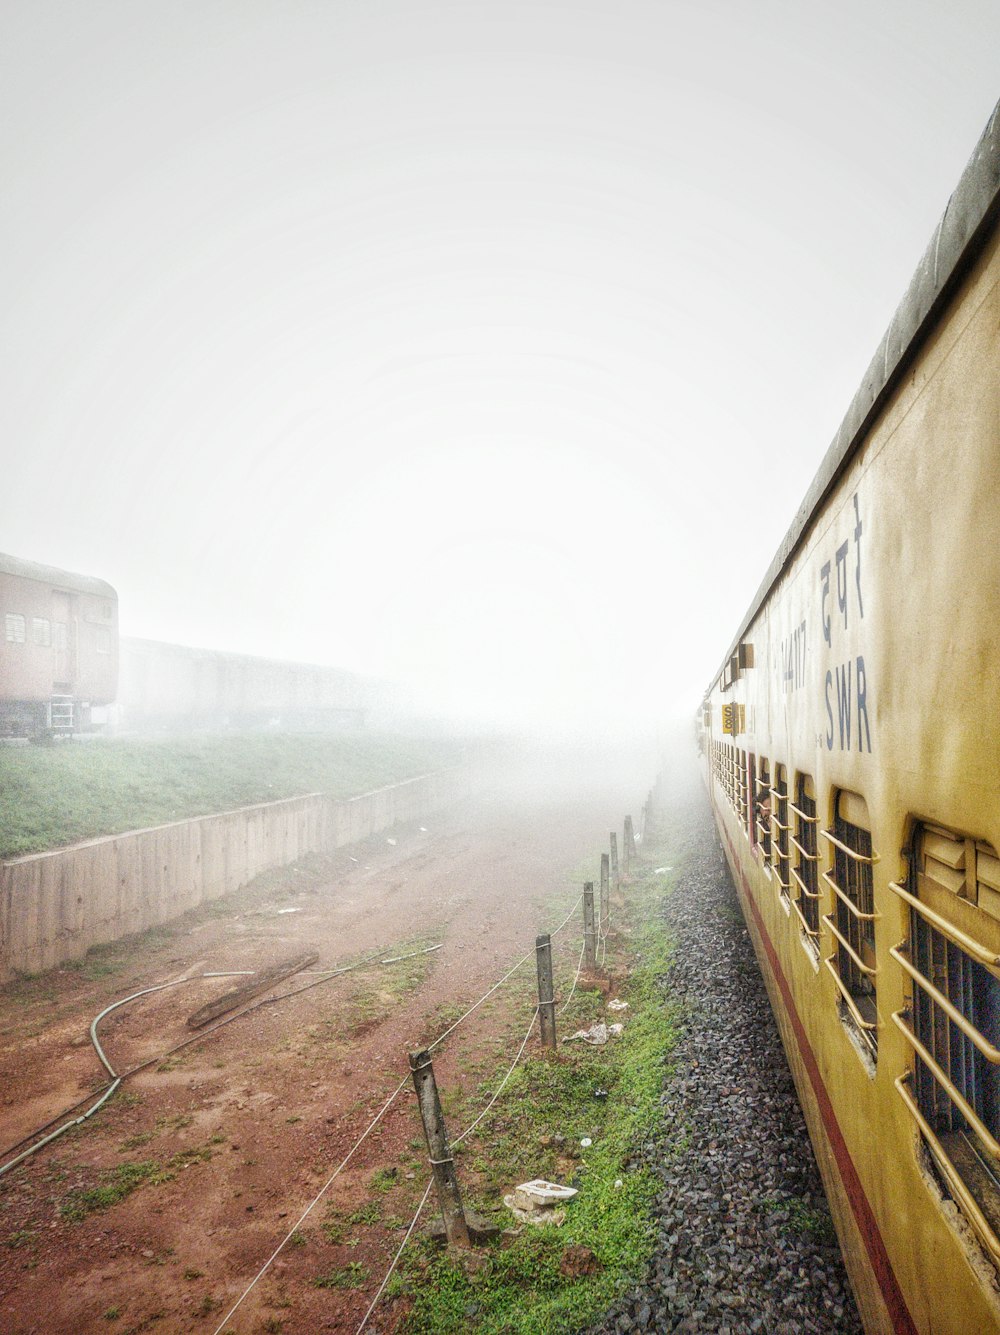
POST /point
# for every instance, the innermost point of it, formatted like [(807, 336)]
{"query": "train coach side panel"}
[(875, 674)]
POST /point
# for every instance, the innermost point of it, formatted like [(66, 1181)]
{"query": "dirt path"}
[(227, 1141)]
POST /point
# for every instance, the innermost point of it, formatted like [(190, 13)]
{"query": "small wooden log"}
[(260, 982)]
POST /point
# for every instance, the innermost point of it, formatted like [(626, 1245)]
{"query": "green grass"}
[(547, 1108), (117, 1184), (51, 796)]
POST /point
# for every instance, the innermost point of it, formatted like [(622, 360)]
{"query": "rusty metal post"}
[(589, 935), (615, 873), (546, 997), (605, 895), (441, 1161)]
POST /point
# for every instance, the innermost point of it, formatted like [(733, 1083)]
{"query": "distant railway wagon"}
[(59, 652), (851, 743), (170, 686)]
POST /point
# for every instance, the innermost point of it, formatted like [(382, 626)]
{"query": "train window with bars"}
[(742, 804), (762, 811), (14, 627), (41, 631), (852, 922), (780, 833), (953, 1022), (804, 890), (749, 795)]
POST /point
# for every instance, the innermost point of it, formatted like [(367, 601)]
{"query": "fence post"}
[(442, 1164), (605, 896), (630, 855), (546, 998), (615, 873), (589, 938)]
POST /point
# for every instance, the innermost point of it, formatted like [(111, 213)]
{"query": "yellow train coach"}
[(851, 743)]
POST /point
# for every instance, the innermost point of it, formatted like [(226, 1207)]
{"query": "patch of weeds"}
[(334, 1230), (273, 1326), (208, 1305), (24, 1237), (138, 1140), (171, 1064), (293, 1120), (370, 1213), (117, 1184), (112, 1314), (384, 1180), (193, 1273), (297, 1239), (351, 1276)]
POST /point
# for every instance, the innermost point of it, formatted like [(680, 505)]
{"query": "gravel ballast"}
[(745, 1242)]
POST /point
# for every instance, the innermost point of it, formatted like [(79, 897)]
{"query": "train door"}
[(62, 644)]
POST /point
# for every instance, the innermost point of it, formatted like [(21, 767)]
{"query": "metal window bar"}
[(811, 933), (859, 963), (806, 846), (866, 1026), (961, 1103), (779, 845), (849, 903), (852, 922), (955, 1183), (869, 859), (989, 958)]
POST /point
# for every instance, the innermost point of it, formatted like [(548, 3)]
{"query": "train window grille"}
[(852, 922), (742, 779), (781, 832), (762, 810), (953, 1024), (805, 873), (41, 631), (749, 787), (14, 627)]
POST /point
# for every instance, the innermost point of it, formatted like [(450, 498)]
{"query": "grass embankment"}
[(550, 1279), (51, 796)]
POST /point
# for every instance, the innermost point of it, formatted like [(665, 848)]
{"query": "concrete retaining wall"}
[(55, 906)]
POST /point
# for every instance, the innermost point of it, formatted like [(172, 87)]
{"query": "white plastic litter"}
[(597, 1034), (617, 1005), (586, 1142), (616, 1029), (391, 841), (289, 910), (423, 829)]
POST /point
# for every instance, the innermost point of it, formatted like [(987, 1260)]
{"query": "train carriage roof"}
[(967, 223), (58, 579)]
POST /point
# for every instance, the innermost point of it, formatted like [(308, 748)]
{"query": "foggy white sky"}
[(487, 345)]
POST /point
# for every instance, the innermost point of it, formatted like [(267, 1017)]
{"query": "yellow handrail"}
[(958, 1188), (851, 1006), (991, 1053), (957, 1098), (969, 944), (809, 857), (811, 820), (811, 932), (865, 968), (848, 902), (867, 858)]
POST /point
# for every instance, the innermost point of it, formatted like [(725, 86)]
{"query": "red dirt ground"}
[(249, 1123)]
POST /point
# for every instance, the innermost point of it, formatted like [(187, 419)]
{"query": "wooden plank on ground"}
[(260, 982)]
